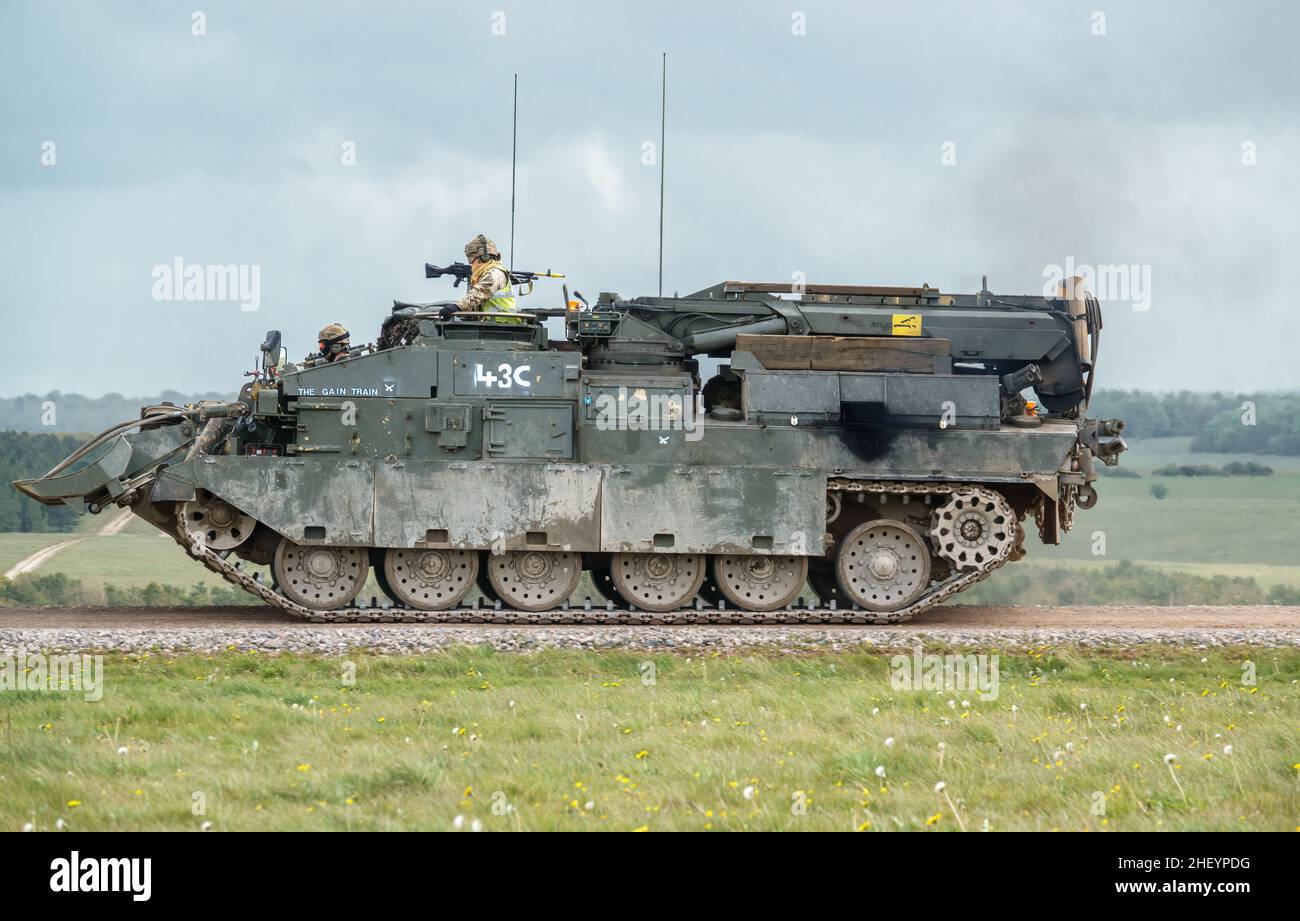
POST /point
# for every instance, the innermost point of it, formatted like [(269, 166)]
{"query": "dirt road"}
[(963, 617)]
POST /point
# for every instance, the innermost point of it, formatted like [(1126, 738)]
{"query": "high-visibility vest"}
[(502, 302)]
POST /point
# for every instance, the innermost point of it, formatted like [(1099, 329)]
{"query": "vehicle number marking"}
[(504, 377)]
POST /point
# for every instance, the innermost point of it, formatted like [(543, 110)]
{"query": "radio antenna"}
[(514, 150), (663, 119)]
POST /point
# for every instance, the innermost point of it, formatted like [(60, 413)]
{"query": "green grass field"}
[(574, 740)]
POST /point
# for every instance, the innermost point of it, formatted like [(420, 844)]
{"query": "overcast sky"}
[(889, 143)]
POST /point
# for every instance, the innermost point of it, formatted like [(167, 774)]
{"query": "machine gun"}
[(462, 271)]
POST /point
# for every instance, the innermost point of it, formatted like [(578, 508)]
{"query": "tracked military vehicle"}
[(709, 456)]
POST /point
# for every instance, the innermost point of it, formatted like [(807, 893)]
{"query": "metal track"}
[(592, 613)]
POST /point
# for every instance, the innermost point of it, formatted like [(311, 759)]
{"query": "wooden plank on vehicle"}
[(845, 353)]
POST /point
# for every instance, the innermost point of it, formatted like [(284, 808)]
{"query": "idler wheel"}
[(219, 525), (883, 565), (430, 580), (321, 578), (658, 582), (535, 580), (755, 582)]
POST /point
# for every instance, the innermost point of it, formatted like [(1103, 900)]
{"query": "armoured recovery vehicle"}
[(710, 455)]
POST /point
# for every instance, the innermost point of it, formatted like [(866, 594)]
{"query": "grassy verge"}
[(571, 740)]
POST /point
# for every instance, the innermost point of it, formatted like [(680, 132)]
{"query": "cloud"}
[(818, 153)]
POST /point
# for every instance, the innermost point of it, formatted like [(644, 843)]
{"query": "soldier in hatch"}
[(334, 343), (489, 282)]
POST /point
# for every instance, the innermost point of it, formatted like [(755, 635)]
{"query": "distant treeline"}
[(71, 412), (1235, 468), (24, 455), (58, 589), (1229, 423)]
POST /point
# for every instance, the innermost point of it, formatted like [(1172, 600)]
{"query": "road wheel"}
[(430, 580), (658, 582), (755, 582), (320, 578), (883, 565), (535, 580)]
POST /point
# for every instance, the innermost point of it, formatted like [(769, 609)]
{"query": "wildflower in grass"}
[(28, 826), (938, 788), (889, 743), (60, 824), (74, 803), (642, 755), (880, 771), (1227, 749), (642, 828), (304, 768), (748, 792), (206, 826), (864, 826), (458, 823), (476, 825), (934, 818), (1169, 763)]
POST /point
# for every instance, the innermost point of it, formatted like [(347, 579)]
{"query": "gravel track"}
[(216, 629)]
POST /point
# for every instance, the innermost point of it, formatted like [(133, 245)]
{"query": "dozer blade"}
[(105, 476), (70, 489)]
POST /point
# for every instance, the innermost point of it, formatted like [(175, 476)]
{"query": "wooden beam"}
[(845, 353)]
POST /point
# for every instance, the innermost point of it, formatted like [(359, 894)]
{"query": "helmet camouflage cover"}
[(332, 335), (482, 247)]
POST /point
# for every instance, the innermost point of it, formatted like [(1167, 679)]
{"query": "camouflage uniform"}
[(493, 280)]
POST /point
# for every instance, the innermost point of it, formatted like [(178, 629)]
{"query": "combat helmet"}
[(334, 338), (482, 247)]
